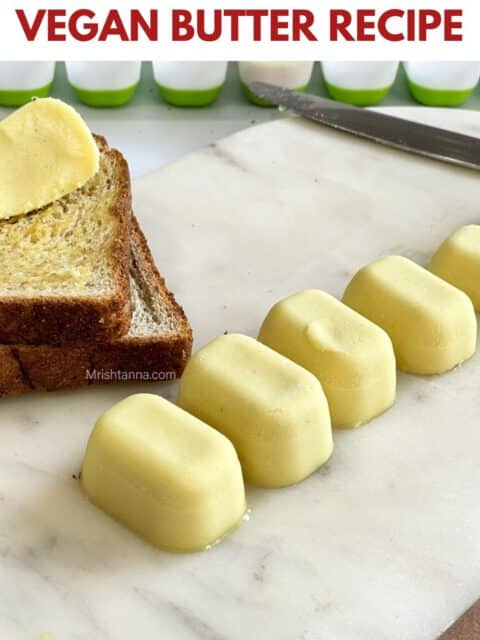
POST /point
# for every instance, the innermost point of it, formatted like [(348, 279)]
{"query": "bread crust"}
[(41, 320), (145, 358)]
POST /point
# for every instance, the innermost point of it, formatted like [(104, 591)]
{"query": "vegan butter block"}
[(352, 357), (163, 473), (431, 323), (458, 261), (274, 411), (46, 152)]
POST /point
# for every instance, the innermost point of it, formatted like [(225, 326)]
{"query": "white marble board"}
[(381, 544)]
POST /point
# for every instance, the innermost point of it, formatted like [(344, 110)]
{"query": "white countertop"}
[(151, 133), (381, 544)]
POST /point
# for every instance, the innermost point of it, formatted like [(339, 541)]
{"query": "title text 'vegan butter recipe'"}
[(273, 25)]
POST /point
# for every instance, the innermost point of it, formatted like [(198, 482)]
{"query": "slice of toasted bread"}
[(156, 347), (64, 269)]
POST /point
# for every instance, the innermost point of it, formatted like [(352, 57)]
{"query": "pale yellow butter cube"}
[(352, 357), (274, 411), (165, 474), (458, 261), (431, 323), (46, 152)]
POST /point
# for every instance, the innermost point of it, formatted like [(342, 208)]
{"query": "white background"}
[(14, 46)]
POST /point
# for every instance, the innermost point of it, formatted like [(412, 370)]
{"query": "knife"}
[(391, 131)]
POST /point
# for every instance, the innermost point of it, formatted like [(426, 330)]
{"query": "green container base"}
[(19, 98), (115, 98), (439, 97), (189, 97), (260, 102), (357, 97)]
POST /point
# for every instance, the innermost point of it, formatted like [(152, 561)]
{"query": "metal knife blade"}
[(392, 131)]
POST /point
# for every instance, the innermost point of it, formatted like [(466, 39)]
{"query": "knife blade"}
[(392, 131)]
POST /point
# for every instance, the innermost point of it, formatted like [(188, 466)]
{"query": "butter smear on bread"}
[(46, 152)]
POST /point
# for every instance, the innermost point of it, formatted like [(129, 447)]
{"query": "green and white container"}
[(22, 81), (104, 84), (442, 84), (291, 75), (359, 83), (190, 84)]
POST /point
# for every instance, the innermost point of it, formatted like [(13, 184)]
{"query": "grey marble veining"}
[(383, 543)]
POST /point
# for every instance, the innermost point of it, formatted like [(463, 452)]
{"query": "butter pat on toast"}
[(156, 348), (46, 152), (64, 269)]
